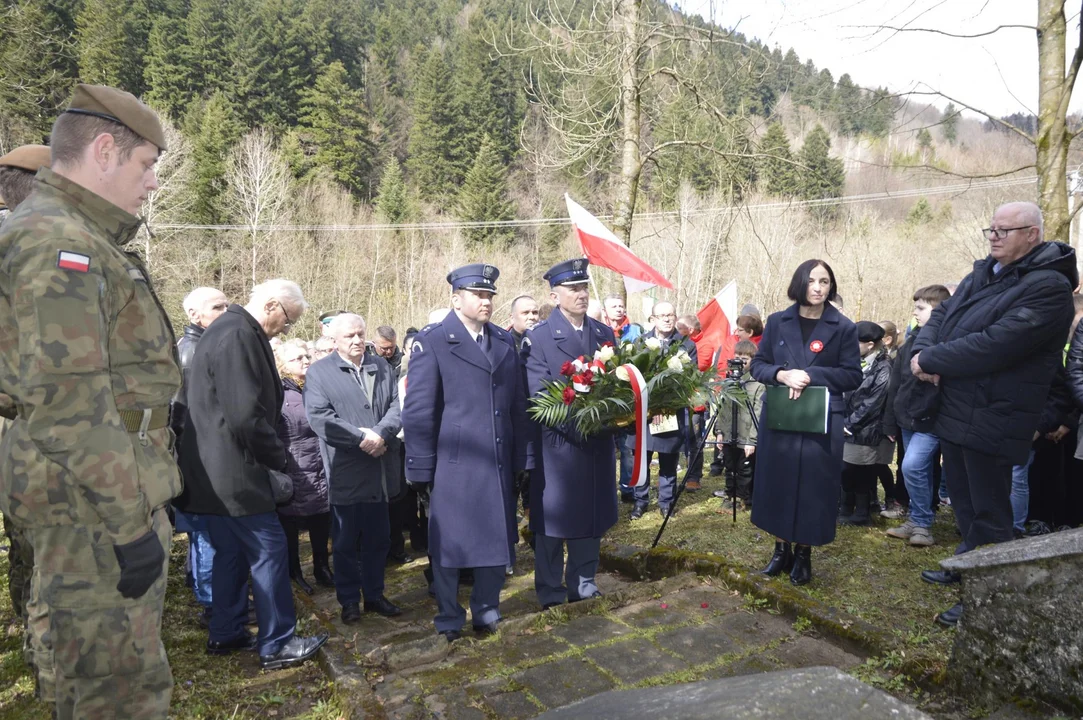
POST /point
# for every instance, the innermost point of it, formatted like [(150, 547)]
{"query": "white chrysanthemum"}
[(653, 343)]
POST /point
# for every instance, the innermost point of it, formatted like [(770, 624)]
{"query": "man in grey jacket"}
[(352, 401)]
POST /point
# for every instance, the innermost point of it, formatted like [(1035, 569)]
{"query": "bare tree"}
[(604, 69), (259, 182), (171, 202)]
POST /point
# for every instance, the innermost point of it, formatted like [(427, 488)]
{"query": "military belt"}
[(140, 421)]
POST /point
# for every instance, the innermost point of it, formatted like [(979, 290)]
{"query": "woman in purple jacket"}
[(310, 508)]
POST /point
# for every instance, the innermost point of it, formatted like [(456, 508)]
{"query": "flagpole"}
[(594, 287)]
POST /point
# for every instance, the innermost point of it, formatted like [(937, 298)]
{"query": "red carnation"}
[(567, 368), (568, 396), (607, 344)]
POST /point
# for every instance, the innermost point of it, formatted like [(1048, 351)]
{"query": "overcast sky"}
[(998, 73)]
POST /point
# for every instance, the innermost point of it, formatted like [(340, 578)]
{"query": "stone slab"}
[(589, 630), (564, 681), (692, 600), (699, 644), (634, 660), (454, 705), (1042, 547), (805, 652), (519, 649), (753, 629), (652, 614), (512, 706), (750, 665), (810, 694)]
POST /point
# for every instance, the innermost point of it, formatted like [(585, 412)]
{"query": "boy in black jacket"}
[(911, 407)]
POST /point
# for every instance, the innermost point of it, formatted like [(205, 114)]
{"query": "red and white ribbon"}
[(639, 392)]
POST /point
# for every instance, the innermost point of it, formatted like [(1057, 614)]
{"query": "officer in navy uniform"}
[(467, 435), (573, 497)]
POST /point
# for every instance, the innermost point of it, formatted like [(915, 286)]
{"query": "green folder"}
[(807, 414)]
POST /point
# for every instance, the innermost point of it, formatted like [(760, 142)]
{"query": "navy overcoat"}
[(799, 475), (573, 487), (467, 433)]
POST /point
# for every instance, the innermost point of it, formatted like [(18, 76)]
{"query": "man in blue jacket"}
[(467, 434)]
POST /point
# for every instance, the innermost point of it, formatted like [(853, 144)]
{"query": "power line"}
[(543, 222)]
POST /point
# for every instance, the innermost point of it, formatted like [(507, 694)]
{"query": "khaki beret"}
[(120, 107), (28, 157)]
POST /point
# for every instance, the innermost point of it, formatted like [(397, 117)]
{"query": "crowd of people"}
[(117, 434)]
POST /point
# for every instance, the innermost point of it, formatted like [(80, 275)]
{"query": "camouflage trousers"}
[(20, 567), (98, 654)]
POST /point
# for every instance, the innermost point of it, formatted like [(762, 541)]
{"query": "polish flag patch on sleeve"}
[(78, 262)]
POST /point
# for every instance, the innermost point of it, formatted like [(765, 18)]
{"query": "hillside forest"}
[(365, 147)]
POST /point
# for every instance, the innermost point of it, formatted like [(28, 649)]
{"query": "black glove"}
[(141, 562), (422, 489)]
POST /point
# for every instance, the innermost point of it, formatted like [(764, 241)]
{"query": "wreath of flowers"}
[(595, 393)]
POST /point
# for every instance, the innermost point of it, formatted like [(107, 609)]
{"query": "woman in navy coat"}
[(798, 475)]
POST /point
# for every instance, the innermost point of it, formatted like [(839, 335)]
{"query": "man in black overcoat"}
[(229, 452)]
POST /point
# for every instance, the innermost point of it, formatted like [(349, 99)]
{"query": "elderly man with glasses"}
[(993, 348), (230, 458)]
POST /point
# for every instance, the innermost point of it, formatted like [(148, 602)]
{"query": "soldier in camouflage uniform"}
[(89, 357), (17, 170)]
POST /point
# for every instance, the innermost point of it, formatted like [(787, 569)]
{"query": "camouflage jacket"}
[(82, 338)]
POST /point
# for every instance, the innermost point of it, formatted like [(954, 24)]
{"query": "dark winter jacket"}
[(865, 405), (186, 350), (996, 345), (304, 464), (230, 441), (911, 403)]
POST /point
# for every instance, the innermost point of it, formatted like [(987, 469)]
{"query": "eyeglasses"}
[(1001, 233), (666, 315), (289, 322)]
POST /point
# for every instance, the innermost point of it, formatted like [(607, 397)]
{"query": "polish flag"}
[(603, 248), (718, 320)]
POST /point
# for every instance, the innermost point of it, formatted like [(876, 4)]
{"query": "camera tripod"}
[(730, 471)]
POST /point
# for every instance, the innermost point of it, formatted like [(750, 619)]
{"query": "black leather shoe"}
[(383, 606), (398, 558), (860, 515), (950, 617), (294, 652), (637, 512), (941, 577), (351, 613), (489, 629), (665, 511), (802, 565), (451, 635), (781, 561), (299, 579), (324, 576), (242, 642)]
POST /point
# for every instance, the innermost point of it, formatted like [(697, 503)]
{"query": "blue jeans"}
[(360, 539), (200, 554), (919, 454), (1021, 493), (256, 544), (626, 450)]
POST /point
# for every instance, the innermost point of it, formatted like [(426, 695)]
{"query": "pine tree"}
[(166, 74), (431, 163), (337, 122), (271, 65), (823, 176), (487, 98), (111, 37), (777, 165), (848, 105), (206, 53), (392, 202), (214, 128), (949, 123), (878, 113), (925, 144), (484, 197)]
